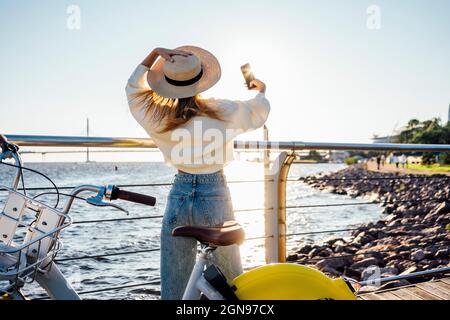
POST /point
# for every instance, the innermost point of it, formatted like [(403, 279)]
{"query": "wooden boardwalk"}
[(431, 290)]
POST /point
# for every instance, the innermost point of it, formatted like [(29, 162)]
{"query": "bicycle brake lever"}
[(98, 201)]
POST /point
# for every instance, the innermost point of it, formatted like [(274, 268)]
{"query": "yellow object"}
[(5, 296), (285, 281)]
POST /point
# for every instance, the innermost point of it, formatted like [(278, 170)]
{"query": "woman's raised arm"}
[(166, 54)]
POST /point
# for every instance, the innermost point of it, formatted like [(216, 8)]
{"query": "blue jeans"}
[(198, 200)]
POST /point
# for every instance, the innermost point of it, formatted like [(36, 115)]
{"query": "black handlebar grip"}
[(3, 142), (3, 139), (133, 197)]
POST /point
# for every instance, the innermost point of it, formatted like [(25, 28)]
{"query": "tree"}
[(314, 155), (427, 132), (432, 124), (413, 124)]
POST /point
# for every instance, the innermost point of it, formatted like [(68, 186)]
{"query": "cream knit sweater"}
[(202, 145)]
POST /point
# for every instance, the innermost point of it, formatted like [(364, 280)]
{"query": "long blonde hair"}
[(176, 112)]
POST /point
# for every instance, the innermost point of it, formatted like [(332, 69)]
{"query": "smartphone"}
[(248, 74)]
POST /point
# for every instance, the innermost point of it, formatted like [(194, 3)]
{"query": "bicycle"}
[(279, 281), (30, 232), (33, 260)]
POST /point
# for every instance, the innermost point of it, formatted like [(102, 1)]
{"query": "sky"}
[(334, 72)]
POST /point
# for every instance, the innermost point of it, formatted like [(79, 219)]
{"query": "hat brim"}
[(211, 74)]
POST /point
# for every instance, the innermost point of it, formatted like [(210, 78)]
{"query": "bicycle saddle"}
[(228, 233)]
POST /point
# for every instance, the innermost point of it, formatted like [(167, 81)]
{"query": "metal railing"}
[(276, 175), (108, 142), (275, 179)]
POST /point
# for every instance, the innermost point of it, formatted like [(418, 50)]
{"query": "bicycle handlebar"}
[(5, 145), (3, 142), (132, 196)]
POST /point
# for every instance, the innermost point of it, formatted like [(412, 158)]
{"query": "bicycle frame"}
[(56, 285), (197, 283)]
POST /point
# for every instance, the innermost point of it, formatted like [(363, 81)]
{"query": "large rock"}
[(305, 249), (326, 252), (349, 272), (292, 257), (411, 269), (363, 238), (418, 255), (370, 252), (365, 263), (442, 208), (320, 251), (337, 242), (443, 219), (428, 264), (389, 209), (330, 270), (439, 210), (443, 253), (389, 271), (335, 262), (394, 223)]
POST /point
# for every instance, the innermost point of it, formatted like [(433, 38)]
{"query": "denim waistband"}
[(206, 178)]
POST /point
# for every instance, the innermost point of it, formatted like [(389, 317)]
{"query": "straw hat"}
[(186, 76)]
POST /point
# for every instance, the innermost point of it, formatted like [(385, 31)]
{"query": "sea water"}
[(120, 236)]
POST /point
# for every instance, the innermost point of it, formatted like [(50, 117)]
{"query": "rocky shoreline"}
[(413, 236)]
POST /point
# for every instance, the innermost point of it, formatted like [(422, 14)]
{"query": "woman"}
[(196, 136)]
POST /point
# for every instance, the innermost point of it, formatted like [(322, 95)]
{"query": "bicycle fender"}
[(286, 281)]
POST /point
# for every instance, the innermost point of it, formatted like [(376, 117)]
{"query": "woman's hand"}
[(167, 54), (258, 85)]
